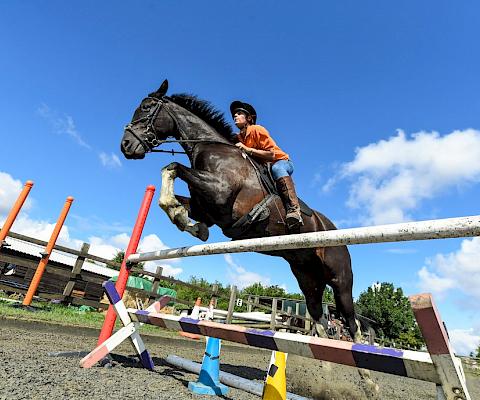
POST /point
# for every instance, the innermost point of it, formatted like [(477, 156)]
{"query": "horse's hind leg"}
[(342, 283), (312, 286), (338, 265)]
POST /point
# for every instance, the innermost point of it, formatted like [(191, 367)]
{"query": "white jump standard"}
[(439, 367)]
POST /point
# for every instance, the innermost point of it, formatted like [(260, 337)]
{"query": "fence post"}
[(297, 308), (14, 212), (156, 285), (46, 254), (214, 294), (249, 304), (77, 268), (231, 303), (308, 320), (289, 314), (273, 320)]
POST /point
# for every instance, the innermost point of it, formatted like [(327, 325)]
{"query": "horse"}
[(224, 187)]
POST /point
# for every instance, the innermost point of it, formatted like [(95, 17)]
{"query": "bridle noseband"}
[(148, 137)]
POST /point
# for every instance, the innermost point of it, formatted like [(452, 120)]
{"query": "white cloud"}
[(153, 243), (168, 270), (464, 341), (108, 247), (109, 160), (392, 177), (458, 271), (9, 190), (242, 278), (43, 230), (61, 124)]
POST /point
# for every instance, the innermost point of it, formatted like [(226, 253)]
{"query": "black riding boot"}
[(289, 198)]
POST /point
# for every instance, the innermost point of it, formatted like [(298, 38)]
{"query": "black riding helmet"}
[(244, 107)]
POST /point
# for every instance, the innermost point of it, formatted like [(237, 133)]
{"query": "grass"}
[(66, 315)]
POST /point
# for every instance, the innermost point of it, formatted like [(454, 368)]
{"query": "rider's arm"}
[(268, 155)]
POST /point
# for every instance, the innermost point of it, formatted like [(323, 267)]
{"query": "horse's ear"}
[(162, 90)]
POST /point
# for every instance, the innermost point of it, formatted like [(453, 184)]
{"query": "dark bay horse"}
[(224, 186)]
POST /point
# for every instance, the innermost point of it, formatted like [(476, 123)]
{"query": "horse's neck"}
[(190, 127)]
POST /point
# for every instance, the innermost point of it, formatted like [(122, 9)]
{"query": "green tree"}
[(393, 314), (118, 258), (477, 355), (328, 296), (257, 289)]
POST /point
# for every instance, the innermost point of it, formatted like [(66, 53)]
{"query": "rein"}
[(173, 152)]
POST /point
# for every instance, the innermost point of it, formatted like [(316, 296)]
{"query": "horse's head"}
[(150, 124)]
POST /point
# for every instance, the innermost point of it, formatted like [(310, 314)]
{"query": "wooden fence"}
[(74, 285)]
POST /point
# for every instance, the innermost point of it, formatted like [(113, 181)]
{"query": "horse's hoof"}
[(202, 232)]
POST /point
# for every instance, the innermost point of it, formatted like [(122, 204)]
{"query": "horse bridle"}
[(148, 138)]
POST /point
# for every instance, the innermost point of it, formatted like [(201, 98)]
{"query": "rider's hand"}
[(240, 145)]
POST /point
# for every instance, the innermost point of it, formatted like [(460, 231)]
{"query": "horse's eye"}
[(145, 107)]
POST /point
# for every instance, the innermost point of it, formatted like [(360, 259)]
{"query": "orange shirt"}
[(257, 137)]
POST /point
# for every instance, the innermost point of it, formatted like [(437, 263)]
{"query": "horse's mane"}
[(205, 111)]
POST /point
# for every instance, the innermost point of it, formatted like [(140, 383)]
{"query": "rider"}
[(257, 142)]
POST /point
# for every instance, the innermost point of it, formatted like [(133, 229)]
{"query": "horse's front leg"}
[(176, 211)]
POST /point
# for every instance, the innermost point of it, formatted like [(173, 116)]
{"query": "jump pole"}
[(14, 212), (46, 253), (421, 230), (439, 366), (122, 279)]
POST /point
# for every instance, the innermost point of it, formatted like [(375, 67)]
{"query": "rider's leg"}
[(281, 171)]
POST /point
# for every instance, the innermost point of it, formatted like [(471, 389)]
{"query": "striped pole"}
[(14, 211), (422, 230), (122, 279), (46, 254)]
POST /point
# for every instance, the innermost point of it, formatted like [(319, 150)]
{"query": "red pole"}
[(122, 279), (46, 254), (14, 212)]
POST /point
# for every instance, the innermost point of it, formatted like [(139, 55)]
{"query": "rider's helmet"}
[(244, 107)]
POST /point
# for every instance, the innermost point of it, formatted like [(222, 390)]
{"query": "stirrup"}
[(294, 220)]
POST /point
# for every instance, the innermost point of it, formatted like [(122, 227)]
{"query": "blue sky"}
[(376, 103)]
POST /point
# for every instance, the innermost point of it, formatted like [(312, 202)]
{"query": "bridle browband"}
[(148, 138)]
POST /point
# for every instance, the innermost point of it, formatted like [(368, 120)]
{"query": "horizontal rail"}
[(421, 230), (407, 363)]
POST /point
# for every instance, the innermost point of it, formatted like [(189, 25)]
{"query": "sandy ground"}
[(28, 372)]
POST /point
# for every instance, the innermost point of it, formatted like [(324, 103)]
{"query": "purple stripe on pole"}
[(111, 292), (367, 348), (190, 325), (142, 312), (146, 360), (371, 357), (261, 338)]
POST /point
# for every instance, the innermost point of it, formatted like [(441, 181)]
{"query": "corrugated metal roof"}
[(58, 256)]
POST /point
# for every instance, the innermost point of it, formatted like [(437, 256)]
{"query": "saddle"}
[(261, 211)]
